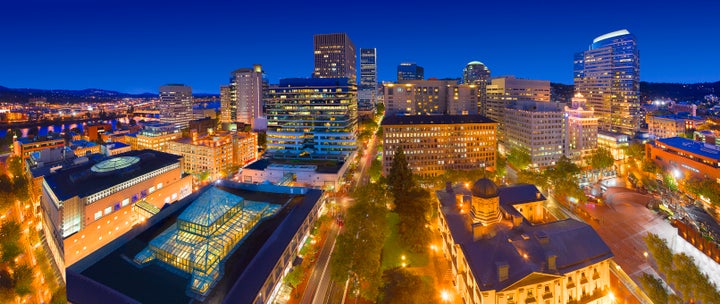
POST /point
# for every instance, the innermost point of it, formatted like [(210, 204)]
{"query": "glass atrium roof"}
[(114, 163), (205, 233)]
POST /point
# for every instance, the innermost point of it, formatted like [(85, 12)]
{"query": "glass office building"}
[(608, 75)]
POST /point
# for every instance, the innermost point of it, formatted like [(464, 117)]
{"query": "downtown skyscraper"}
[(477, 73), (608, 76), (368, 88), (242, 99), (335, 56), (410, 71), (175, 105)]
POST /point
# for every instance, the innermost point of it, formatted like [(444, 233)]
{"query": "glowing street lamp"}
[(445, 296)]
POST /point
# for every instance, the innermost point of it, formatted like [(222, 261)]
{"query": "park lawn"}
[(393, 250)]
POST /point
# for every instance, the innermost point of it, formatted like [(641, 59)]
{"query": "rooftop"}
[(434, 119), (692, 146), (103, 275), (524, 249), (611, 35), (83, 180)]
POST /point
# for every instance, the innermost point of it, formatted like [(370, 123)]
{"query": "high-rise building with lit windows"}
[(608, 75), (537, 128), (175, 105), (410, 71), (335, 57), (478, 74), (368, 87), (312, 118), (242, 99)]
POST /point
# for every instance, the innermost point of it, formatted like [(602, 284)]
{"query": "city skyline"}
[(136, 50)]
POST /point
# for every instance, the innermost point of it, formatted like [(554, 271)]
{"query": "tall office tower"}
[(312, 118), (368, 88), (243, 97), (176, 105), (502, 90), (608, 75), (416, 97), (227, 107), (335, 57), (537, 128), (582, 131), (477, 73), (410, 71)]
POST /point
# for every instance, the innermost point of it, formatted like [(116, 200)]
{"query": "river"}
[(57, 128)]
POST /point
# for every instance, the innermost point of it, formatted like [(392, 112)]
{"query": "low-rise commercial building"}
[(326, 175), (215, 154), (185, 245), (672, 125), (684, 158), (154, 136), (24, 146), (614, 142), (88, 205), (504, 247), (433, 144)]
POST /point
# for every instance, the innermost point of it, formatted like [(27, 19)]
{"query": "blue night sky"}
[(135, 46)]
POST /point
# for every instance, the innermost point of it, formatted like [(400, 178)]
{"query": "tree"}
[(654, 288), (400, 177), (414, 220), (403, 287), (519, 158), (601, 159), (9, 237), (23, 277), (500, 166), (262, 140), (660, 252), (15, 166), (59, 296), (705, 187), (358, 250), (635, 151)]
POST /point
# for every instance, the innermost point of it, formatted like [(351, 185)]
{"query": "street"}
[(320, 288)]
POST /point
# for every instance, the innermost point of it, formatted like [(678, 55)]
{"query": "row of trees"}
[(562, 178), (358, 251), (680, 272)]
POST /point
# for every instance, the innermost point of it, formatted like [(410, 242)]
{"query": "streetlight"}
[(445, 296)]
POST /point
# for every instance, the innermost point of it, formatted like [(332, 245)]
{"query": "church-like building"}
[(505, 247)]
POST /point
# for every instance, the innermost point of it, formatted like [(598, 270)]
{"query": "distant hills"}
[(70, 96), (560, 92), (652, 90)]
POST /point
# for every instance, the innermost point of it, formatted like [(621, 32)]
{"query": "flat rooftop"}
[(524, 249), (320, 166), (102, 276), (82, 181), (695, 147), (434, 119)]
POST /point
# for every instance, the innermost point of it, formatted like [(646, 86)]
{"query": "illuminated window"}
[(98, 215)]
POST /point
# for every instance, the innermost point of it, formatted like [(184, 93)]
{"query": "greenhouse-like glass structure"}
[(204, 234)]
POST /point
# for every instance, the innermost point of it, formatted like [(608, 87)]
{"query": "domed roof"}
[(475, 63), (484, 188)]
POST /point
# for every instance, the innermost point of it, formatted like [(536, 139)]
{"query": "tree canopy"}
[(358, 249), (602, 159), (519, 158), (403, 287)]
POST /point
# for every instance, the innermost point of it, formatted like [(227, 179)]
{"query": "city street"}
[(320, 288), (623, 222)]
